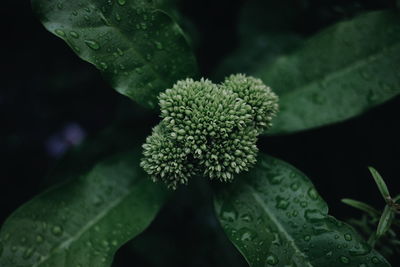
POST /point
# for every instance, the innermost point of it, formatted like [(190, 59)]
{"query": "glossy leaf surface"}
[(275, 217), (139, 49), (85, 220), (337, 74)]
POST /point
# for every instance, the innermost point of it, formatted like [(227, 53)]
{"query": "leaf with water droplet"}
[(325, 73), (130, 201), (98, 31), (316, 243)]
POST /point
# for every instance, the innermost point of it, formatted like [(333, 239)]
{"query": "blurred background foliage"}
[(51, 101)]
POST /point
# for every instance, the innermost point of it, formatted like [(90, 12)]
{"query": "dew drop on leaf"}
[(312, 193), (294, 186), (60, 32), (347, 237), (272, 260), (27, 253), (159, 45), (313, 215), (92, 44), (121, 2), (375, 260), (74, 34), (103, 66), (246, 217), (281, 203), (39, 239), (57, 230), (344, 259), (307, 238)]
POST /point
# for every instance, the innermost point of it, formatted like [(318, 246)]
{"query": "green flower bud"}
[(259, 96), (208, 129)]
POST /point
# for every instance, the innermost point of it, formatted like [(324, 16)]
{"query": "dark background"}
[(50, 99)]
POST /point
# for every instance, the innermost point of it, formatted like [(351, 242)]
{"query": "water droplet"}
[(77, 49), (99, 200), (159, 45), (120, 52), (312, 193), (275, 179), (344, 259), (229, 214), (362, 250), (313, 215), (92, 44), (121, 2), (27, 253), (281, 203), (60, 32), (74, 34), (39, 238), (295, 186), (246, 236), (347, 237), (246, 217), (303, 204), (143, 26), (272, 260), (139, 71), (375, 260), (307, 238), (57, 230)]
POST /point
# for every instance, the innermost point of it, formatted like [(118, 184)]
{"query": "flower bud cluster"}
[(208, 129)]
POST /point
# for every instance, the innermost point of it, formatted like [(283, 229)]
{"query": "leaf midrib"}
[(275, 220), (86, 227)]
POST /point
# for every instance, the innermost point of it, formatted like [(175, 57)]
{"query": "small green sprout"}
[(208, 129)]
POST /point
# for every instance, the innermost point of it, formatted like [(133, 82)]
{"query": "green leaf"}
[(380, 183), (385, 222), (274, 216), (138, 48), (85, 220), (337, 74), (361, 206)]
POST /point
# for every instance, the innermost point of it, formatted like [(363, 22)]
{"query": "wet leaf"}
[(337, 74), (138, 48), (84, 221), (275, 217)]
